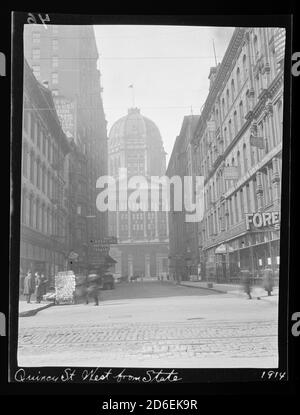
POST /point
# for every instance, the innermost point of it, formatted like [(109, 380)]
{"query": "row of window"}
[(39, 136), (40, 176), (243, 201), (249, 156), (41, 217)]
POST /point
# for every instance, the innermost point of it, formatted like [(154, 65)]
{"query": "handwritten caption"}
[(99, 375)]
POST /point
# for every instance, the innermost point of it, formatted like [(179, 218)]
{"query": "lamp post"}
[(88, 240)]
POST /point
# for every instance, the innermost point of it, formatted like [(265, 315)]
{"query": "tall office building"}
[(64, 58)]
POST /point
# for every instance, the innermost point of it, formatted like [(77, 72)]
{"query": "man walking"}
[(93, 289), (29, 286)]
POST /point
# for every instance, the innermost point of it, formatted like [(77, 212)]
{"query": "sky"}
[(168, 67)]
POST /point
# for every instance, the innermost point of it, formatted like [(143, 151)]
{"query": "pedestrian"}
[(93, 289), (268, 281), (246, 279), (44, 284), (28, 286), (38, 288)]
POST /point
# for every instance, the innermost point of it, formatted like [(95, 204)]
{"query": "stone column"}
[(259, 191), (147, 266), (273, 137), (156, 224), (145, 225), (118, 223), (130, 265), (167, 224), (158, 264), (276, 183)]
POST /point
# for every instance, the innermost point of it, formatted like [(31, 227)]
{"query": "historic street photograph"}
[(150, 196)]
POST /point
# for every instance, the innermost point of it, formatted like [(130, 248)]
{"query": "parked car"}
[(108, 282)]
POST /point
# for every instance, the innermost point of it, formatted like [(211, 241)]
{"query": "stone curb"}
[(34, 311), (203, 288)]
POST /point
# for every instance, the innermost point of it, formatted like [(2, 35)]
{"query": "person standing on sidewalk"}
[(38, 287), (28, 286), (268, 281)]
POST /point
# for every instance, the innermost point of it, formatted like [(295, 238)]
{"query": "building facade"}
[(44, 211), (65, 58), (238, 147), (183, 236), (135, 144)]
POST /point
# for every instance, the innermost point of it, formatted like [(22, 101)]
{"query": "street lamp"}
[(88, 237)]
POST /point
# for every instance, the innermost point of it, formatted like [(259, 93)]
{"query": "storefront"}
[(254, 251)]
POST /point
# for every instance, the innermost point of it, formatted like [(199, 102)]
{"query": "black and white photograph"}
[(151, 187)]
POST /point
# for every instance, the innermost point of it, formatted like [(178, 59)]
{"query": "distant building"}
[(65, 58), (44, 212), (183, 236), (135, 143), (238, 148)]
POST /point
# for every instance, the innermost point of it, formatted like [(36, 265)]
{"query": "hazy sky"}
[(168, 66)]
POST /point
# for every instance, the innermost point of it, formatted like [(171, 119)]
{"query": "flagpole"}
[(133, 98)]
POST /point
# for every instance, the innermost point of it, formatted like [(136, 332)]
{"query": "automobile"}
[(108, 282), (117, 277)]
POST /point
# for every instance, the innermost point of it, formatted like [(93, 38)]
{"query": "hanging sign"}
[(258, 142)]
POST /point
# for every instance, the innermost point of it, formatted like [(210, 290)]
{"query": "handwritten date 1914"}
[(273, 375)]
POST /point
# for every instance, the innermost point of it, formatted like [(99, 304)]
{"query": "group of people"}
[(34, 284)]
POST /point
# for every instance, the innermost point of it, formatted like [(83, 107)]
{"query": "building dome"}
[(135, 126), (135, 137)]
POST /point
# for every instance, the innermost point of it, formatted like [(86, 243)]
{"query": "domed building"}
[(135, 143)]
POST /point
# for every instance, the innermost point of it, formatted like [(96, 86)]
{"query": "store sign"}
[(263, 219), (231, 173), (257, 142), (66, 113)]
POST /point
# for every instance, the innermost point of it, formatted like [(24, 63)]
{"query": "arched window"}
[(225, 137), (232, 90), (238, 79), (227, 99), (241, 111), (238, 159), (230, 130), (217, 117), (255, 43), (235, 121), (223, 107), (245, 158), (245, 69)]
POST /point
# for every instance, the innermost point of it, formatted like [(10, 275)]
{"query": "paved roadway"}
[(154, 324)]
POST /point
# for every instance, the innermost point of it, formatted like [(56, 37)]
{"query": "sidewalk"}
[(27, 310), (236, 289)]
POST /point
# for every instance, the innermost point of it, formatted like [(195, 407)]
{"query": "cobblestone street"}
[(175, 331)]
